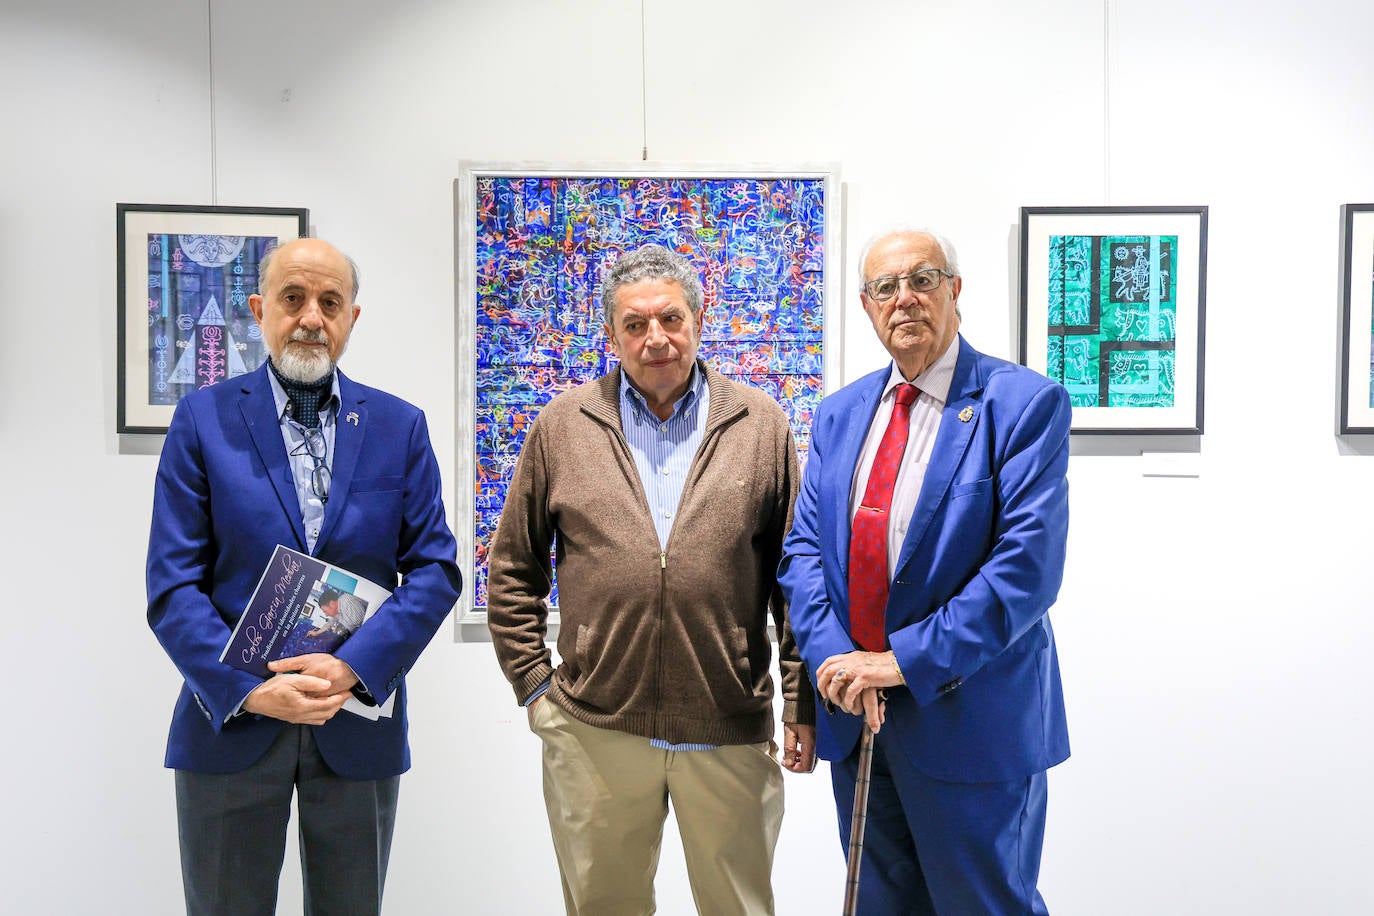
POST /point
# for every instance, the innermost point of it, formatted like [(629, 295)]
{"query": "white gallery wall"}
[(1215, 628)]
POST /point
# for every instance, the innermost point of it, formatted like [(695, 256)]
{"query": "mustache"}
[(313, 337)]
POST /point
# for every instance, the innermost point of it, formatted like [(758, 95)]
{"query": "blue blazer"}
[(981, 564), (224, 499)]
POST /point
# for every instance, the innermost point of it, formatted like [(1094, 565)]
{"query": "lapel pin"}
[(966, 414), (353, 417)]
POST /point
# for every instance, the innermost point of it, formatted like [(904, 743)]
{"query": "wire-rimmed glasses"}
[(320, 478), (924, 280)]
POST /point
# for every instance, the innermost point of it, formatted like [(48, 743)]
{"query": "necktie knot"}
[(907, 395)]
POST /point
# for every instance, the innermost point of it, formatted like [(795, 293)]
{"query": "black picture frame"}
[(179, 304), (1134, 361), (1357, 311)]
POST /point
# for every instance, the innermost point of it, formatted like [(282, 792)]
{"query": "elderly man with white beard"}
[(296, 454)]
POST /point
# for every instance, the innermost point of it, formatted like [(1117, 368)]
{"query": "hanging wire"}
[(1106, 102), (210, 64), (643, 86)]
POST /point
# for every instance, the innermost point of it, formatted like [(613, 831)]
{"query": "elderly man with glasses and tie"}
[(927, 549), (298, 454)]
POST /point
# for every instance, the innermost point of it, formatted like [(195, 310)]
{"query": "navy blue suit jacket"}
[(224, 498), (981, 564)]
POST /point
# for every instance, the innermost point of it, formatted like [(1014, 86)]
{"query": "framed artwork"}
[(185, 275), (1112, 308), (1357, 325), (535, 241)]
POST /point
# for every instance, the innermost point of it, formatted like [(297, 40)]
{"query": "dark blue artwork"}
[(200, 329)]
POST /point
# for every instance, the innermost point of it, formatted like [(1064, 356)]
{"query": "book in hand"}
[(302, 605)]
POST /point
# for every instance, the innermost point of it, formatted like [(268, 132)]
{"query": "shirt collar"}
[(936, 378), (631, 398), (281, 399)]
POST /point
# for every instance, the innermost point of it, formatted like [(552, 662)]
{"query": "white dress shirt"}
[(934, 385)]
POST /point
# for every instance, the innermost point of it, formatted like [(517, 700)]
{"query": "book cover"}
[(301, 605)]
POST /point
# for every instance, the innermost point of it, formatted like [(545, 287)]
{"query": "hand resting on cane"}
[(854, 681)]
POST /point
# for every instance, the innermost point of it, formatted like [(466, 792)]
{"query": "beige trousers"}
[(607, 796)]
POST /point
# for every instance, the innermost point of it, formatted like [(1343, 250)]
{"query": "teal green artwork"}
[(1112, 318)]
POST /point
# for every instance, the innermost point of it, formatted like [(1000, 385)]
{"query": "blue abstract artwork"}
[(543, 246)]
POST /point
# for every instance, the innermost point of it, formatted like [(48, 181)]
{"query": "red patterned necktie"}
[(868, 572)]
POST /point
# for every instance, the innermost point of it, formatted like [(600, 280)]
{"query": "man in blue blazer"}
[(295, 454), (921, 569)]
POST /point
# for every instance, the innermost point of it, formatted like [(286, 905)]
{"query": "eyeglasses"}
[(924, 280), (320, 478)]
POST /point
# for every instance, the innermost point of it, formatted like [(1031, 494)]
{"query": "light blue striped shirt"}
[(302, 465), (663, 449)]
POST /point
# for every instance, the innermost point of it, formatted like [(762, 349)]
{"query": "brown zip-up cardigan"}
[(671, 643)]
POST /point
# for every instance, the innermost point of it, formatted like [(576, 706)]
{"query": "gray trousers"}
[(233, 833)]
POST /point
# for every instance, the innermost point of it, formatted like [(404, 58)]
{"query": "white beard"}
[(304, 364)]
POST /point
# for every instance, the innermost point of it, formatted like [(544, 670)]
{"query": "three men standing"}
[(927, 548), (665, 490)]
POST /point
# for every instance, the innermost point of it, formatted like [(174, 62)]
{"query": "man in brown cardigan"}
[(667, 489)]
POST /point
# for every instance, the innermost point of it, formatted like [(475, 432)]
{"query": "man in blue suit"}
[(295, 454), (927, 548)]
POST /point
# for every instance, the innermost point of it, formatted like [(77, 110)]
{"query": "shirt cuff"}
[(360, 690), (537, 692)]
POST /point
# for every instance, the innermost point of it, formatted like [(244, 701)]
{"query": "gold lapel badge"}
[(966, 414), (352, 418)]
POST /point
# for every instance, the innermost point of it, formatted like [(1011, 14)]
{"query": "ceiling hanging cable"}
[(1106, 102), (210, 63), (643, 87)]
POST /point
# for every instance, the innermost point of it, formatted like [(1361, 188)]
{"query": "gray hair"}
[(265, 264), (945, 245), (650, 262)]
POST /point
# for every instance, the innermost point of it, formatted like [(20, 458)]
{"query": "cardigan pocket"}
[(593, 679), (584, 648), (727, 674)]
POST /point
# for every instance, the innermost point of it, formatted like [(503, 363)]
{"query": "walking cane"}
[(857, 823)]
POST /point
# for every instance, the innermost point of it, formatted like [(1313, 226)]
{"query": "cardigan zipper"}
[(658, 675)]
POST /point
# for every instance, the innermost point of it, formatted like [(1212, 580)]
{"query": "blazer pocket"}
[(377, 484), (972, 488)]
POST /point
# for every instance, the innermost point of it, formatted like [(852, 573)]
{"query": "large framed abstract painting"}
[(534, 242), (1112, 308), (1357, 325), (185, 275)]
